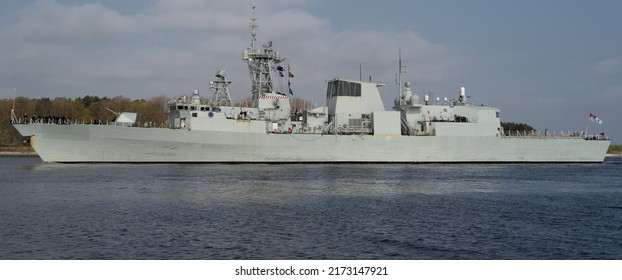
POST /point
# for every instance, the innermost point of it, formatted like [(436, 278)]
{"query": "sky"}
[(547, 63)]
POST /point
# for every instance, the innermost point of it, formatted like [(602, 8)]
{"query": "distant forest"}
[(510, 126), (92, 109)]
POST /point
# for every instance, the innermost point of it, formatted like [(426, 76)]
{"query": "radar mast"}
[(260, 63), (220, 88)]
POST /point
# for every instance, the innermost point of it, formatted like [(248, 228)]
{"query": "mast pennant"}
[(595, 119)]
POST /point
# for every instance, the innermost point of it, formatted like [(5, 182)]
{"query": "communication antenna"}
[(14, 96), (115, 113), (401, 70), (13, 117), (253, 26), (361, 72)]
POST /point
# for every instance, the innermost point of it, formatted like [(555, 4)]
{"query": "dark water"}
[(214, 211)]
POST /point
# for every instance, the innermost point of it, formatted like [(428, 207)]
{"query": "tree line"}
[(87, 109), (91, 109), (510, 126)]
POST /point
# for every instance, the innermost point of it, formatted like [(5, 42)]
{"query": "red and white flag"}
[(595, 119)]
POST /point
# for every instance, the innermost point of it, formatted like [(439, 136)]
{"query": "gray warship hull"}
[(120, 144)]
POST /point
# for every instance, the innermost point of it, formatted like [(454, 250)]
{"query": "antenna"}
[(361, 72), (14, 96), (116, 114), (13, 117), (253, 26), (401, 70)]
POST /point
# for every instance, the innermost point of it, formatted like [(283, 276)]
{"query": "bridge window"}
[(343, 88)]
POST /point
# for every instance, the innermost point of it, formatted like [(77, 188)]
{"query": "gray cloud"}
[(69, 50), (47, 22), (610, 65)]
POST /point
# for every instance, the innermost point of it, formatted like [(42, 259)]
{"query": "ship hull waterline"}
[(119, 144)]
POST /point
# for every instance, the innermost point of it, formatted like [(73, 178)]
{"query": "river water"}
[(310, 211)]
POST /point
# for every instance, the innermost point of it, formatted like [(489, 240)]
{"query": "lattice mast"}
[(260, 63), (220, 87)]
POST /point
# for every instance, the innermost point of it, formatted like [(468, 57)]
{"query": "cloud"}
[(171, 47), (198, 15), (611, 65), (48, 22)]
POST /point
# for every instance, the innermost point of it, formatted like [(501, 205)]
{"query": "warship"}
[(352, 127)]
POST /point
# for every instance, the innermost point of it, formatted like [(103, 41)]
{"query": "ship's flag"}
[(289, 85), (289, 70), (280, 69), (595, 119)]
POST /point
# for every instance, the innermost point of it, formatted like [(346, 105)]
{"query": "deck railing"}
[(546, 134), (63, 121)]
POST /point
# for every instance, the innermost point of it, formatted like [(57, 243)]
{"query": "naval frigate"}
[(353, 126)]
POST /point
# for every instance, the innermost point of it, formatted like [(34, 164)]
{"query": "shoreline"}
[(24, 154), (17, 151)]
